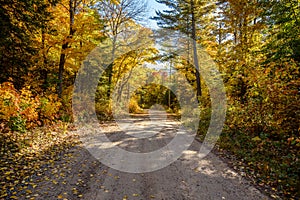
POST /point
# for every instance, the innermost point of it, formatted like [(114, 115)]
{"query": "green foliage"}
[(256, 46), (254, 43), (264, 130), (19, 20), (283, 25), (16, 123)]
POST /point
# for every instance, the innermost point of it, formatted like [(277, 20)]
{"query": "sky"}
[(152, 7)]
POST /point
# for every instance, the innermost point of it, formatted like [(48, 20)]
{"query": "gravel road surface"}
[(78, 175)]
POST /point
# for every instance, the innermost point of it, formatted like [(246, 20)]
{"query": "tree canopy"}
[(254, 44)]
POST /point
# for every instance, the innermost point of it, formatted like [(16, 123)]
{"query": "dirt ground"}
[(78, 175)]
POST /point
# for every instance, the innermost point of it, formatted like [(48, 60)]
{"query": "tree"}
[(135, 47), (76, 30), (243, 26), (284, 31), (117, 14), (138, 47), (19, 21), (195, 53), (188, 17), (71, 10)]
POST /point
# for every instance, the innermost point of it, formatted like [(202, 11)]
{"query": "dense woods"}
[(255, 44)]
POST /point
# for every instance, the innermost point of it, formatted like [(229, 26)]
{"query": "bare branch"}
[(124, 11)]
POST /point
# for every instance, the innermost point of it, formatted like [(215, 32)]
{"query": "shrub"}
[(9, 101), (103, 109), (134, 107), (21, 110)]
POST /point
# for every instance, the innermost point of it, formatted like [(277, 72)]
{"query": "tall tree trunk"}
[(110, 68), (65, 46), (121, 88), (44, 72), (62, 61), (196, 61)]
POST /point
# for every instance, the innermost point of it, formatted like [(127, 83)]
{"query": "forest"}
[(254, 44)]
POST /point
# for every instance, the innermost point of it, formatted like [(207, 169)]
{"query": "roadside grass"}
[(272, 164)]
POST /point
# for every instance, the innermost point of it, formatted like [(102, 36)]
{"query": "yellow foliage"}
[(49, 108), (134, 106), (29, 105), (9, 101), (22, 110)]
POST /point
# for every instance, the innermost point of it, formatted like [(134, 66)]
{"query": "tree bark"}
[(111, 66), (44, 72), (65, 46), (196, 61)]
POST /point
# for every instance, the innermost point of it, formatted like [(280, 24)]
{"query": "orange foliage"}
[(21, 110)]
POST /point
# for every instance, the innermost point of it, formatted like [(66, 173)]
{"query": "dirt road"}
[(78, 175)]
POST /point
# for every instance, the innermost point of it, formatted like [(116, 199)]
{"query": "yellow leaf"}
[(28, 191), (256, 139)]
